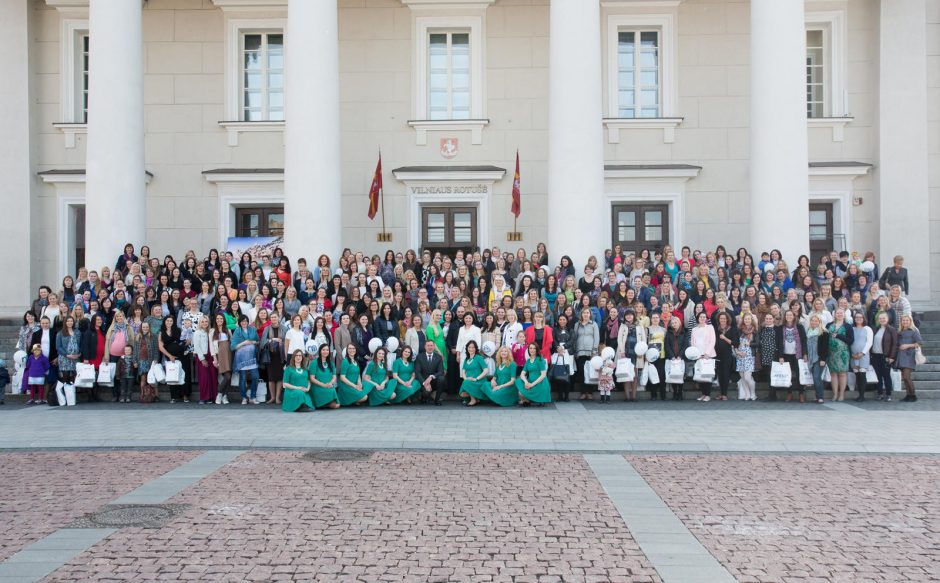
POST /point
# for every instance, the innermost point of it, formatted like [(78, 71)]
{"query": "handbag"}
[(559, 370), (106, 374), (806, 375), (675, 371), (780, 375), (84, 375), (704, 370), (625, 370), (919, 357), (871, 377)]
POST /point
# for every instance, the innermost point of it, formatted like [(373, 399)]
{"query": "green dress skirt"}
[(436, 335), (405, 371), (294, 399), (377, 374), (349, 395), (474, 367), (321, 396), (839, 352), (506, 396), (540, 393)]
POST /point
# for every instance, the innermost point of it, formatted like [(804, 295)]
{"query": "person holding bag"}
[(675, 344), (841, 338), (272, 357), (728, 339), (884, 352), (702, 337), (863, 338), (206, 372), (559, 373), (791, 345), (745, 353), (817, 350)]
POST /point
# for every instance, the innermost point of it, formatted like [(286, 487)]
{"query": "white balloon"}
[(20, 357), (597, 362), (374, 345), (693, 353), (608, 352), (641, 348), (392, 344), (868, 266), (489, 348), (652, 355), (311, 346)]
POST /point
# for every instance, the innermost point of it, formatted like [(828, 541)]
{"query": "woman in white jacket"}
[(511, 328), (467, 332)]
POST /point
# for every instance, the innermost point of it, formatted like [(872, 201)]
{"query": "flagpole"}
[(382, 203)]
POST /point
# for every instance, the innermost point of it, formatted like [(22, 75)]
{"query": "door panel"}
[(821, 237), (640, 226), (449, 228)]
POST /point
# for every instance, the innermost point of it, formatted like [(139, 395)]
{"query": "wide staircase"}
[(926, 377)]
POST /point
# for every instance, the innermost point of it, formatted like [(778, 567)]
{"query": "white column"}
[(313, 214), (115, 187), (15, 165), (902, 166), (578, 218), (779, 148)]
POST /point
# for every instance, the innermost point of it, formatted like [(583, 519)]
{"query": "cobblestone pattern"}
[(773, 519), (271, 516), (45, 491)]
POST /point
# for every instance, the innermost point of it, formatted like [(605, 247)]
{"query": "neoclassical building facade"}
[(803, 126)]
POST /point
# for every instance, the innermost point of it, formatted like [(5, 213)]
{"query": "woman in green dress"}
[(349, 389), (323, 379), (403, 383), (502, 387), (296, 384), (840, 342), (435, 334), (532, 383), (474, 372), (375, 379)]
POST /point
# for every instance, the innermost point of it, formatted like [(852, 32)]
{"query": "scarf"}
[(792, 333)]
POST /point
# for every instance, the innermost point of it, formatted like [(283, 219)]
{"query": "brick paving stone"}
[(399, 517), (44, 491), (807, 519)]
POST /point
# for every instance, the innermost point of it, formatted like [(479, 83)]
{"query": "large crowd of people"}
[(492, 327)]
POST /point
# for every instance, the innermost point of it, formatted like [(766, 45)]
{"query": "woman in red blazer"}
[(540, 334)]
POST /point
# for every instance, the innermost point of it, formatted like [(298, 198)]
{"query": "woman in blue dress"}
[(322, 375), (349, 389), (375, 379), (532, 384), (475, 372), (403, 383)]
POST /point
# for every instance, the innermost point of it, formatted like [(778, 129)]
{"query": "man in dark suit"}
[(429, 370)]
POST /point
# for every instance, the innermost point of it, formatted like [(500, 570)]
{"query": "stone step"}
[(923, 376), (933, 316)]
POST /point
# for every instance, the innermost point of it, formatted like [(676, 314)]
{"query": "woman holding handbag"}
[(629, 334), (559, 373), (93, 350), (272, 351), (703, 338), (147, 354), (884, 353), (726, 342), (172, 349), (746, 362), (676, 342), (908, 345)]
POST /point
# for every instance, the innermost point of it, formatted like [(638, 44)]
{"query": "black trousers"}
[(438, 386), (723, 369), (885, 385), (580, 361), (794, 372), (561, 388)]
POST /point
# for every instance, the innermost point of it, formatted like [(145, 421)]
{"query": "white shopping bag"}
[(106, 374), (871, 377), (653, 374), (644, 377), (159, 374), (704, 370), (70, 395), (806, 375), (262, 392), (896, 380), (590, 374), (625, 370), (826, 375), (175, 375), (152, 375), (84, 375), (675, 371), (60, 393), (780, 375)]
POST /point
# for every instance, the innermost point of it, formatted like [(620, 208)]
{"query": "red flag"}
[(374, 190), (516, 190)]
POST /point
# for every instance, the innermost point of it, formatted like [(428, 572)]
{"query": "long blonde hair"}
[(500, 360)]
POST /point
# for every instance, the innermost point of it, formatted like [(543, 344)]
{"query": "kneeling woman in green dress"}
[(532, 383), (403, 383), (296, 384), (323, 379), (376, 380), (474, 371), (349, 389), (502, 387)]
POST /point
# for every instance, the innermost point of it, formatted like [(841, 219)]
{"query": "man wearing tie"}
[(429, 370)]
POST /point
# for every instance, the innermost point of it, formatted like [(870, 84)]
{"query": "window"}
[(637, 227), (638, 74), (816, 73), (449, 75), (449, 228), (262, 76), (259, 222), (82, 70)]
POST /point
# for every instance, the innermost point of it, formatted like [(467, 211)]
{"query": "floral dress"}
[(745, 358), (67, 364), (839, 353)]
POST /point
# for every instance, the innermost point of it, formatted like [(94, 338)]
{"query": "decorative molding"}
[(834, 169), (73, 176), (243, 175), (449, 173), (641, 3), (423, 126), (237, 127), (71, 130), (667, 172), (836, 124), (448, 4), (66, 4), (667, 124), (249, 4)]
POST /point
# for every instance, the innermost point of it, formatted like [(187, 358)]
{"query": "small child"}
[(126, 374), (518, 352), (37, 367), (605, 380), (186, 335)]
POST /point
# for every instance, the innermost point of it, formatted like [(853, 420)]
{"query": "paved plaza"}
[(644, 492)]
